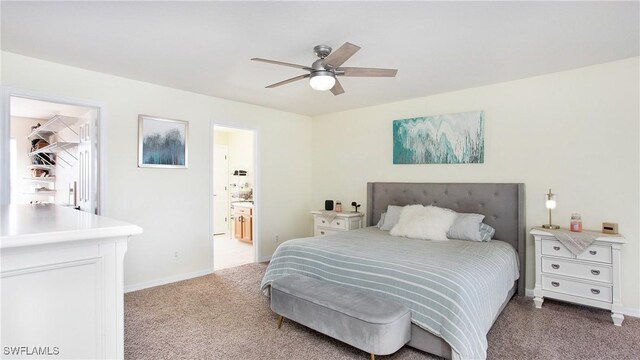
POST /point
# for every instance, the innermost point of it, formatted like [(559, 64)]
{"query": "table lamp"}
[(550, 204)]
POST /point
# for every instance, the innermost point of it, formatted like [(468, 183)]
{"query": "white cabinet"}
[(341, 222), (61, 281), (591, 278)]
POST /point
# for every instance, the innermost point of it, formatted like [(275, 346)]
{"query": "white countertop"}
[(27, 225)]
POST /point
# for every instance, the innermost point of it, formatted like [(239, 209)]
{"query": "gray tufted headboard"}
[(502, 205)]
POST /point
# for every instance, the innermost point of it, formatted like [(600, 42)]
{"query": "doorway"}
[(53, 152), (233, 204)]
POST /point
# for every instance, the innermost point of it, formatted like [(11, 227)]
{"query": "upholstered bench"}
[(377, 326)]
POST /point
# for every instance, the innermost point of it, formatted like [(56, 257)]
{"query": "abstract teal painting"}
[(440, 139)]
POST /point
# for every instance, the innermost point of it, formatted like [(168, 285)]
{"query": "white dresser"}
[(591, 278), (342, 222), (61, 280)]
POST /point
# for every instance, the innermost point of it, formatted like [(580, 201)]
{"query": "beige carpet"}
[(224, 316)]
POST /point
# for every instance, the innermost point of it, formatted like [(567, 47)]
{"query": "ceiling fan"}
[(324, 71)]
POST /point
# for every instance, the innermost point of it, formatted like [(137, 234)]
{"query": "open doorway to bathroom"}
[(234, 212)]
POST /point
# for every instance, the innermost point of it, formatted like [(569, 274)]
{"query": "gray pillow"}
[(392, 217), (486, 232), (466, 227)]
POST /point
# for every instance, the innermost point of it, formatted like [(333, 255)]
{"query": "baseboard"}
[(265, 259), (166, 280), (625, 310)]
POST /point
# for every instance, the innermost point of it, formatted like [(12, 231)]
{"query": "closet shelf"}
[(41, 179), (41, 167), (54, 125), (43, 192), (54, 148)]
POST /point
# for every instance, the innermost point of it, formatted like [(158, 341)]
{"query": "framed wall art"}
[(162, 143), (439, 139)]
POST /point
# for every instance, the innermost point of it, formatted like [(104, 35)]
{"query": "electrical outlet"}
[(175, 255), (277, 239)]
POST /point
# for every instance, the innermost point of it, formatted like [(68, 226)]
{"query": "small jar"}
[(576, 223), (338, 206)]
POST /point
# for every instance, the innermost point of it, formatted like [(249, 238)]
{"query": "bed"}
[(444, 284)]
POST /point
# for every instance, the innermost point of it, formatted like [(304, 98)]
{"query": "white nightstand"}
[(591, 278), (342, 222)]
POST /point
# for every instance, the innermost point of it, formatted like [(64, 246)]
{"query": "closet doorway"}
[(233, 204), (53, 155)]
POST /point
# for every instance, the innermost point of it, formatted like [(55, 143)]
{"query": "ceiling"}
[(205, 47)]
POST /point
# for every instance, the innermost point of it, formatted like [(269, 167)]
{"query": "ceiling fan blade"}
[(283, 64), (371, 72), (288, 81), (341, 55), (337, 88)]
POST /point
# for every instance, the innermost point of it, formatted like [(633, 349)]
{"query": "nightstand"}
[(342, 222), (591, 278)]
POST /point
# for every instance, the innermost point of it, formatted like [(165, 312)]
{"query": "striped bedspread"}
[(453, 288)]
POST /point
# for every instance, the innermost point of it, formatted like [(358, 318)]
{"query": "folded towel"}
[(329, 215), (576, 242)]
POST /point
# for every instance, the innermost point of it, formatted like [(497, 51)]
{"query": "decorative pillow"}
[(391, 218), (486, 232), (379, 225), (420, 222), (466, 227)]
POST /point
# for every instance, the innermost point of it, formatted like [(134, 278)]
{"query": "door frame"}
[(100, 158), (257, 186)]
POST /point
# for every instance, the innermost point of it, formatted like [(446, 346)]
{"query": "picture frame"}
[(162, 143), (440, 139)]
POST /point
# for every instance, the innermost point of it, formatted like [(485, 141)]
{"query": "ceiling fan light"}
[(322, 80)]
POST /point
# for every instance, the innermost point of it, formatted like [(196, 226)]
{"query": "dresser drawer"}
[(580, 270), (337, 223), (322, 232), (576, 288), (597, 253), (242, 210), (555, 248)]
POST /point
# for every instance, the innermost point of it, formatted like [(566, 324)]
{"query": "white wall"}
[(173, 205), (574, 131)]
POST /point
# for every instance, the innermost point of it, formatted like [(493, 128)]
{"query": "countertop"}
[(28, 225)]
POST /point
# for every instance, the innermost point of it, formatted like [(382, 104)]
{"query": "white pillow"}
[(382, 216), (466, 227), (420, 222), (392, 217)]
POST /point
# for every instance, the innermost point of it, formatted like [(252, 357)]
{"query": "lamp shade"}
[(550, 202), (322, 80)]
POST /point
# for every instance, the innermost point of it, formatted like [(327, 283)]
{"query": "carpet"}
[(224, 316)]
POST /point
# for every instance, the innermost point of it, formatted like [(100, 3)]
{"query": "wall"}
[(240, 154), (173, 205), (574, 131)]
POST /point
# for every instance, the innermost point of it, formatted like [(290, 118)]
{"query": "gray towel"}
[(576, 242), (329, 215)]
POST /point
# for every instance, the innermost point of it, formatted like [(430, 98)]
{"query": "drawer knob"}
[(556, 248), (338, 223), (595, 291), (595, 272), (323, 221), (592, 252), (555, 266), (322, 232), (555, 283)]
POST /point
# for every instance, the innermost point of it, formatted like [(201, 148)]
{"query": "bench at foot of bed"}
[(377, 326)]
